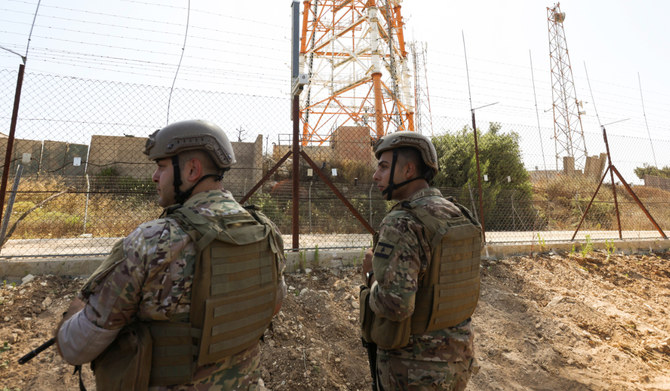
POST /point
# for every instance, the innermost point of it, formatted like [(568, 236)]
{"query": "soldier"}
[(422, 278), (181, 303)]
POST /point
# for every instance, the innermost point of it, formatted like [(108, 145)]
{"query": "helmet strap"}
[(181, 196), (392, 186)]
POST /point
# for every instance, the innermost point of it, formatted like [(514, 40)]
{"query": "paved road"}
[(100, 246)]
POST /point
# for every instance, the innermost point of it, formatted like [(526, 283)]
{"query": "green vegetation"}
[(500, 158), (541, 242), (5, 347), (302, 262), (653, 171), (587, 247), (610, 248), (316, 261)]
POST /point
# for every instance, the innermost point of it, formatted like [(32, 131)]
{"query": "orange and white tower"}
[(353, 52), (568, 132)]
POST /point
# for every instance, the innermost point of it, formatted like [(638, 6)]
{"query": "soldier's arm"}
[(281, 294), (97, 319), (396, 265), (281, 266), (80, 341)]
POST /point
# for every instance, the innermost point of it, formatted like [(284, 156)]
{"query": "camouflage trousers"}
[(395, 373), (241, 373)]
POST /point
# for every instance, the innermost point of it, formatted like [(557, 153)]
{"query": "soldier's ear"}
[(409, 169), (194, 170)]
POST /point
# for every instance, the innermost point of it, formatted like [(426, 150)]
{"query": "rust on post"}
[(295, 223), (613, 170), (265, 177), (479, 180), (10, 140), (337, 192), (616, 203), (639, 203), (589, 205)]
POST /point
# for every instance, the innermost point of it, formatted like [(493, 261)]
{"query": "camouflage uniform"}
[(438, 360), (153, 283)]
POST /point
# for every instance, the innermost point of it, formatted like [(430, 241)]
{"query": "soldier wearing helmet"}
[(152, 314), (421, 275)]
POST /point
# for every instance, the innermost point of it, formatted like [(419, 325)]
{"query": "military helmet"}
[(412, 140), (191, 135)]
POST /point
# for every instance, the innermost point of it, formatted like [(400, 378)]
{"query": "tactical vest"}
[(232, 297), (449, 290)]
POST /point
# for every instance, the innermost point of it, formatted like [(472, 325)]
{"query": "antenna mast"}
[(568, 132), (421, 92)]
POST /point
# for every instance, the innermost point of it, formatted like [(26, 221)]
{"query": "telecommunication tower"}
[(354, 54), (421, 93), (568, 132)]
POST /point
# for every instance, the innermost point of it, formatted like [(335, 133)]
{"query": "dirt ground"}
[(544, 322)]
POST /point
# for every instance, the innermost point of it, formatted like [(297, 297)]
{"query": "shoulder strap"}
[(276, 241)]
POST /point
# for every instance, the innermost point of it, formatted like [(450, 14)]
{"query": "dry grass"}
[(563, 201), (71, 214)]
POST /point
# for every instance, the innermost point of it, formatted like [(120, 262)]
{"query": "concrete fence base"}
[(12, 270)]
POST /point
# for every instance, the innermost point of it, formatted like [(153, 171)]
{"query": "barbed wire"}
[(495, 84), (141, 29)]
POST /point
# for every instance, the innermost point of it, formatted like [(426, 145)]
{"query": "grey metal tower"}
[(568, 132)]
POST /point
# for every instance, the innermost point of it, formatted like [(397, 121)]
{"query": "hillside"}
[(549, 321)]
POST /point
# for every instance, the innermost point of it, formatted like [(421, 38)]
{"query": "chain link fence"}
[(82, 180)]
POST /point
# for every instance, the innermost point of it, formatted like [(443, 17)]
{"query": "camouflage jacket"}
[(401, 258), (152, 284)]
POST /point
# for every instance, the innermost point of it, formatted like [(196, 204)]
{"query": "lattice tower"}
[(353, 52), (422, 110), (568, 132)]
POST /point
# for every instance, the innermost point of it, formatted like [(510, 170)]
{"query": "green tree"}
[(652, 171), (507, 203)]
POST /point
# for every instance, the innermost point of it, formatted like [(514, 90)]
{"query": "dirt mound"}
[(546, 322)]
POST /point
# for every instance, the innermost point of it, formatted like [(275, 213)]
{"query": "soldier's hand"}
[(367, 263)]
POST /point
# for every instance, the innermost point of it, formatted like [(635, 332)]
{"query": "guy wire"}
[(188, 15), (467, 71), (645, 120), (31, 31), (592, 98), (539, 130)]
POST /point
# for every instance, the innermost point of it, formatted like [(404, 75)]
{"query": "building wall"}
[(46, 157), (352, 143), (659, 182), (126, 156)]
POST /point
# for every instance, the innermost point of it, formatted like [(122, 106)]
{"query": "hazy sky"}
[(616, 39), (243, 46)]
